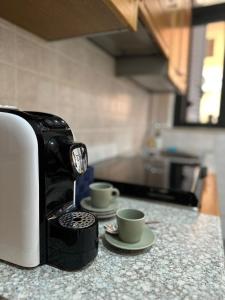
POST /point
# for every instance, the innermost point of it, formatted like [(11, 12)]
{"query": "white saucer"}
[(112, 208), (147, 240)]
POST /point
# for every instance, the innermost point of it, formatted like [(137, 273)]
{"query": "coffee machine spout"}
[(79, 159)]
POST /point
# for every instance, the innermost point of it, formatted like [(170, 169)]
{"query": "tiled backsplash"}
[(74, 79)]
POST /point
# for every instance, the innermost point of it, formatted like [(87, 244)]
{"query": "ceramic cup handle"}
[(115, 193)]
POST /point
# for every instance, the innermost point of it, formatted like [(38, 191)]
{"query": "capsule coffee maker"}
[(39, 165)]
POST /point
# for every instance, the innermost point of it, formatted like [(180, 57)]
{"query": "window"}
[(204, 104)]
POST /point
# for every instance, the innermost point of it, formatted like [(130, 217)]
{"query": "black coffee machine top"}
[(40, 163)]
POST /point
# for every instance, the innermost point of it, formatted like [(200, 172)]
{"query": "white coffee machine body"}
[(19, 192)]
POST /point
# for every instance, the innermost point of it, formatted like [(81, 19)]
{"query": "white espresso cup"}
[(102, 194)]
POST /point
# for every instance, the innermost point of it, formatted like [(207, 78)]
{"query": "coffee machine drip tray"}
[(73, 240), (158, 178), (77, 220)]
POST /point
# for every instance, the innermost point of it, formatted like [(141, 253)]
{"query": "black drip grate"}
[(77, 220)]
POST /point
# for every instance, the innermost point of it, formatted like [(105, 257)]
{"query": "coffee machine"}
[(39, 165)]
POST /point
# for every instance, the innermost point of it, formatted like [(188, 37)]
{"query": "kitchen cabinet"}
[(156, 15), (127, 10), (169, 21), (57, 19), (180, 45)]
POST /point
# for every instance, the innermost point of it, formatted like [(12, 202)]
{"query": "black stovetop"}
[(158, 177)]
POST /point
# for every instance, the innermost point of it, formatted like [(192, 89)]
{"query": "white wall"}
[(74, 79)]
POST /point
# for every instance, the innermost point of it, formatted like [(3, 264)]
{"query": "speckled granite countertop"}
[(186, 262)]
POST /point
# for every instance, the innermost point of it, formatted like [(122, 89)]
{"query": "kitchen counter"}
[(186, 262)]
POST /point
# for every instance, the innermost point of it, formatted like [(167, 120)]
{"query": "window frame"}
[(202, 15)]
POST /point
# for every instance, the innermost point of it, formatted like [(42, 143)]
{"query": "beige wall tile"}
[(80, 49), (72, 48), (7, 45), (36, 93), (66, 70), (27, 53), (8, 87), (74, 79), (7, 24)]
